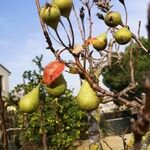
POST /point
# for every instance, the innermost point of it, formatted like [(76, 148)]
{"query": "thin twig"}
[(128, 103), (139, 42), (110, 49), (83, 27), (79, 25), (107, 144), (13, 129), (131, 66), (130, 87), (72, 32), (60, 39), (126, 13), (139, 30), (82, 15), (66, 33), (90, 20), (53, 37)]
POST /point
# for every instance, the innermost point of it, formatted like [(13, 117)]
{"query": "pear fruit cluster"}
[(30, 101), (51, 13), (87, 99), (122, 35)]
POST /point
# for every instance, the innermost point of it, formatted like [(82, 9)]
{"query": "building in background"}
[(4, 80)]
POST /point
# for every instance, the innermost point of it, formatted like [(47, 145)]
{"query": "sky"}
[(21, 37)]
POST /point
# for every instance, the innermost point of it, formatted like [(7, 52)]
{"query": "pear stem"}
[(66, 32), (72, 32), (84, 34), (52, 35), (126, 13), (60, 39), (79, 25)]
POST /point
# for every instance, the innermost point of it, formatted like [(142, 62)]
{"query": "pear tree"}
[(89, 56)]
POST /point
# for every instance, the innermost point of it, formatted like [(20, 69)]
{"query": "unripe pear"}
[(123, 36), (65, 7), (57, 87), (50, 15), (30, 101), (100, 42), (113, 19), (87, 98)]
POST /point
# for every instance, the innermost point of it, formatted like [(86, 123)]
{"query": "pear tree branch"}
[(90, 67)]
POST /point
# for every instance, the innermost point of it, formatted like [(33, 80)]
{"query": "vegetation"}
[(118, 76), (58, 120)]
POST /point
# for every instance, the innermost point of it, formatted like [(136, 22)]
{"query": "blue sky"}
[(21, 36)]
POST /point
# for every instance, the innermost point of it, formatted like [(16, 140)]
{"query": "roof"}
[(5, 68)]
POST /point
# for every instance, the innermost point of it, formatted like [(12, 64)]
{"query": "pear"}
[(50, 14), (112, 19), (100, 42), (30, 101), (123, 36), (57, 87), (87, 98), (65, 7)]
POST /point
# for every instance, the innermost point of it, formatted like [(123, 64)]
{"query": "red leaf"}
[(52, 71)]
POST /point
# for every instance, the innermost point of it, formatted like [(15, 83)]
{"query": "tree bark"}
[(45, 146), (2, 112)]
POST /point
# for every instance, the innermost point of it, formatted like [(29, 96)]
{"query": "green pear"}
[(87, 98), (57, 87), (112, 19), (50, 14), (65, 7), (100, 42), (123, 36), (30, 101)]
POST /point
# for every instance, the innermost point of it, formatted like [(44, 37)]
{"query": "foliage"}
[(58, 121), (117, 77)]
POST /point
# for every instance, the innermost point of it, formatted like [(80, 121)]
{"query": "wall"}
[(5, 80)]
